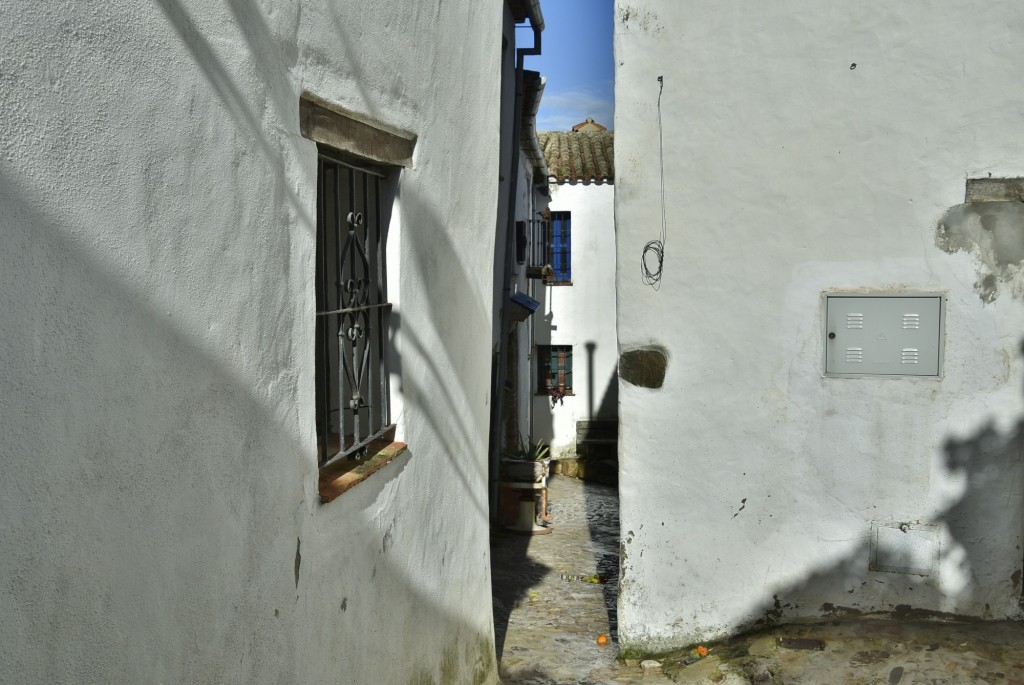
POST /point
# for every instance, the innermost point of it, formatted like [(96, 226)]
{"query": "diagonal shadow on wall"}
[(197, 386)]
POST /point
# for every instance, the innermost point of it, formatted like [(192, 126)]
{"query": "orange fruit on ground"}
[(602, 639)]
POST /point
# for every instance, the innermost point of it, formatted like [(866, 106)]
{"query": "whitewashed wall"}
[(158, 510), (810, 147), (581, 314)]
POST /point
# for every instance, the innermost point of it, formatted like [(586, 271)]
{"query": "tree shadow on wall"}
[(990, 513), (223, 439), (985, 529)]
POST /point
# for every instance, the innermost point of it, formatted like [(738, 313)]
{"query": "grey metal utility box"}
[(883, 334)]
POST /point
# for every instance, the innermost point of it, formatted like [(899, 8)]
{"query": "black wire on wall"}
[(653, 257)]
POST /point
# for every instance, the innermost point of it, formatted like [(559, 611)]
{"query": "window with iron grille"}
[(560, 247), (554, 369), (352, 311)]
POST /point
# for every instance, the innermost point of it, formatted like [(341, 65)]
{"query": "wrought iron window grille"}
[(537, 265), (554, 369), (352, 311), (550, 253)]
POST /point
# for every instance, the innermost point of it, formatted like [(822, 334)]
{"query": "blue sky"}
[(577, 61)]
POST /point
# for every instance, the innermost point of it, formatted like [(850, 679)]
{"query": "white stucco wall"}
[(158, 512), (812, 147), (580, 315), (507, 116)]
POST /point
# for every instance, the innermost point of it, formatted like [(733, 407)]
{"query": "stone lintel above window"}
[(353, 133)]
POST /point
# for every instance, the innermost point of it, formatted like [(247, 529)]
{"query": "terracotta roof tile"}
[(581, 157)]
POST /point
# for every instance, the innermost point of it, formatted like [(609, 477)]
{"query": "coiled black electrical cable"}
[(655, 250), (652, 259)]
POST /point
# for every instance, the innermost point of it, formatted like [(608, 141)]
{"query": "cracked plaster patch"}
[(993, 232), (642, 19)]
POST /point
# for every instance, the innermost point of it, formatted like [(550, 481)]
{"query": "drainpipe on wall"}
[(498, 392)]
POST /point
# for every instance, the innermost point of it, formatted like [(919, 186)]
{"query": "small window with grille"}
[(554, 369), (352, 311)]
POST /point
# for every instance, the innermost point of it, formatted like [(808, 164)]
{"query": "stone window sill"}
[(345, 474)]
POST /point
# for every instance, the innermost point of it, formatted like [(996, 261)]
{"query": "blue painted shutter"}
[(556, 246), (566, 247), (561, 246)]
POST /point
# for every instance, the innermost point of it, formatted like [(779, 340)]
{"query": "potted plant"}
[(526, 462), (545, 273)]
